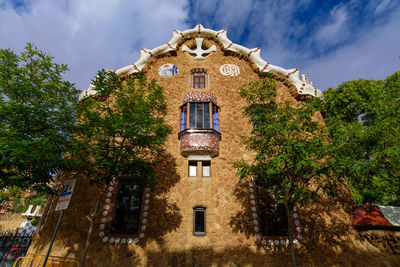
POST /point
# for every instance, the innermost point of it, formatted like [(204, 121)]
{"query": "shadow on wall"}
[(163, 217), (328, 236), (242, 221), (329, 239), (231, 257)]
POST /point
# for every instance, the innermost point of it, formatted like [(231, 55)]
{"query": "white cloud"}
[(92, 34), (375, 56), (334, 31), (382, 6)]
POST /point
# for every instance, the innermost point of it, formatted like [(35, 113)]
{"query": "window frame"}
[(276, 210), (125, 231), (199, 164), (202, 168), (189, 115), (199, 209), (199, 79), (195, 164), (183, 120)]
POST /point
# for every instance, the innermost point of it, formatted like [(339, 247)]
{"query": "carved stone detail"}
[(199, 53)]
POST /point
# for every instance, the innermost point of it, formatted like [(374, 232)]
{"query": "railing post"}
[(52, 239)]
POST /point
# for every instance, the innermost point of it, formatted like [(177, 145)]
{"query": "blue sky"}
[(330, 41)]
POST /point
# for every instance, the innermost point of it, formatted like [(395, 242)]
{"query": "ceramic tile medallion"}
[(168, 70), (229, 70)]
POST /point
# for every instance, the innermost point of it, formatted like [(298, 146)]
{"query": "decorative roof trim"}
[(199, 96), (304, 87), (376, 216)]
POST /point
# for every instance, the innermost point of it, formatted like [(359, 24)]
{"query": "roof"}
[(304, 87), (375, 216)]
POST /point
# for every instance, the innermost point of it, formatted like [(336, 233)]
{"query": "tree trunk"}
[(289, 213), (96, 209)]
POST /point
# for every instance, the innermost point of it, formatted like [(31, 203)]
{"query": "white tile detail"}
[(302, 84)]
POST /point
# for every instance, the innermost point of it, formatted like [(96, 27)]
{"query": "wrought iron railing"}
[(12, 246)]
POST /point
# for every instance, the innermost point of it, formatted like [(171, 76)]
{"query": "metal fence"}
[(12, 246)]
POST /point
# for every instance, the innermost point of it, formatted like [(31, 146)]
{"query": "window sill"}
[(199, 234)]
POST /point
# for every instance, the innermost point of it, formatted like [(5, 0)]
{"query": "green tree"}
[(363, 118), (121, 131), (292, 150), (37, 118)]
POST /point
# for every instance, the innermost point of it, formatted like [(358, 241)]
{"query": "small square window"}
[(199, 79), (199, 225), (192, 168), (206, 168)]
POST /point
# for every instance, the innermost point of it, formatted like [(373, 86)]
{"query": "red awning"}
[(369, 215)]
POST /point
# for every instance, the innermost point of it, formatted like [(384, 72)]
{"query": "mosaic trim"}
[(267, 240), (199, 96), (107, 216), (375, 216), (391, 213), (195, 143), (254, 54)]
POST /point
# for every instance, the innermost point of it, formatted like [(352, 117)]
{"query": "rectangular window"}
[(215, 118), (127, 209), (183, 117), (199, 226), (192, 168), (199, 81), (206, 115), (206, 168), (273, 216), (199, 115), (192, 115)]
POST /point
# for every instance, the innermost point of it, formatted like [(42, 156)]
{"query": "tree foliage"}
[(37, 118), (363, 117), (15, 200), (121, 130), (292, 150)]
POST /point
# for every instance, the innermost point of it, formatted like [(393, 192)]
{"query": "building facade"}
[(200, 213)]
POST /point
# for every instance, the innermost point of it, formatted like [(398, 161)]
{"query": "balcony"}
[(199, 124), (199, 142)]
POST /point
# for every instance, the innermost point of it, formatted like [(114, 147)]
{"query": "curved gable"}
[(303, 86)]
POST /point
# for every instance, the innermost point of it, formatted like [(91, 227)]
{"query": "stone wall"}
[(10, 221), (386, 241), (230, 240)]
